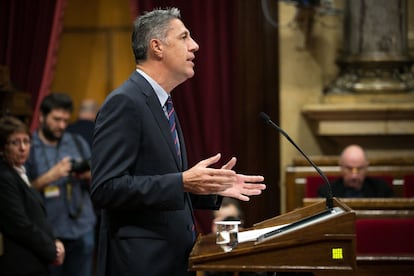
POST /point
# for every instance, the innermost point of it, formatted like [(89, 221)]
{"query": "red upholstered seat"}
[(409, 185), (313, 182), (384, 236)]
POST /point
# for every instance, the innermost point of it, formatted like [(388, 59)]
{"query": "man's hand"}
[(203, 180), (245, 185), (61, 169), (60, 253)]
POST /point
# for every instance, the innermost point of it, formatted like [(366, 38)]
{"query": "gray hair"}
[(153, 24)]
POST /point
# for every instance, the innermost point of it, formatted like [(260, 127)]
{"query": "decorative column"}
[(375, 57)]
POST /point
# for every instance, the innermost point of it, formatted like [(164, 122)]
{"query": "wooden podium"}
[(312, 241)]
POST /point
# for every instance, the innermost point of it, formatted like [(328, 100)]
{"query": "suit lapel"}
[(23, 185), (162, 122)]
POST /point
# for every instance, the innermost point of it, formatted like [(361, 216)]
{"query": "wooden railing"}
[(295, 174), (375, 207), (381, 250)]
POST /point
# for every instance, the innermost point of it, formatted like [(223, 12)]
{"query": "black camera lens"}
[(79, 166)]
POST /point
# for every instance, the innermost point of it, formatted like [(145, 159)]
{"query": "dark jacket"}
[(372, 187), (147, 223), (29, 245), (84, 128)]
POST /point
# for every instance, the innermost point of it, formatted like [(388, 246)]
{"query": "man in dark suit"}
[(140, 178), (354, 182)]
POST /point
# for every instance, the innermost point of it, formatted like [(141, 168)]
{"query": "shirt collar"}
[(162, 95)]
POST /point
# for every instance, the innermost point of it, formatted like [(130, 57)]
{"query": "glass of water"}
[(226, 236)]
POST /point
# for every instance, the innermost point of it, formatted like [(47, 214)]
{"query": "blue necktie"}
[(171, 121)]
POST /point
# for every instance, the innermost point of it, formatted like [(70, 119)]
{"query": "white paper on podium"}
[(252, 235)]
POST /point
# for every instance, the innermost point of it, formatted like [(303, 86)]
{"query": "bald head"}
[(353, 162), (353, 154), (88, 109)]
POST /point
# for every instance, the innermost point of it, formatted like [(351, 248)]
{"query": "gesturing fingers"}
[(209, 161), (201, 180), (245, 186), (250, 178), (230, 164)]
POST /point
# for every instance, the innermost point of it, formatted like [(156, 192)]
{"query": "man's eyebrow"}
[(186, 32)]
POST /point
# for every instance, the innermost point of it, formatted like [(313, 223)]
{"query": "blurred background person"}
[(229, 210), (59, 167), (85, 122), (354, 182), (29, 243), (84, 126)]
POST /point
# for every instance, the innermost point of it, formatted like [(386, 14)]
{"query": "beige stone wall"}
[(304, 72), (95, 53)]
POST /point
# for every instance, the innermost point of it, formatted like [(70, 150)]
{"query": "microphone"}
[(329, 197)]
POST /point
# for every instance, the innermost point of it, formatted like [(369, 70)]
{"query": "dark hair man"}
[(58, 167)]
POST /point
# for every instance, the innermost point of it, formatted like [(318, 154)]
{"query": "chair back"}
[(409, 185), (385, 236), (314, 182)]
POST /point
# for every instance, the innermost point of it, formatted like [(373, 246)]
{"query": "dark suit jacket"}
[(84, 128), (372, 187), (29, 245), (147, 221)]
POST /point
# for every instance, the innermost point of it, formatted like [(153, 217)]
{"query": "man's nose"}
[(355, 171), (63, 125), (194, 47)]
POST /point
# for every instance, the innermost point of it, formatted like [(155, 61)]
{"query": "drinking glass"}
[(226, 236)]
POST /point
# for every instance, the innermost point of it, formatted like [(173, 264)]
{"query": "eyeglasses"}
[(354, 169), (18, 142)]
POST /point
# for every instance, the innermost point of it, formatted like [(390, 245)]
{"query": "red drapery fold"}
[(204, 103), (51, 57), (29, 34)]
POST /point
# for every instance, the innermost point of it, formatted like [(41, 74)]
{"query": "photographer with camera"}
[(58, 167)]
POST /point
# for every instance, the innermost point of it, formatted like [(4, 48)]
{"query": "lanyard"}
[(67, 190)]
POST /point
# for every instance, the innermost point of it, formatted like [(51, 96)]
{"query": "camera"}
[(80, 166)]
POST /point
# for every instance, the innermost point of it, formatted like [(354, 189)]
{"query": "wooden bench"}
[(388, 211), (384, 230), (295, 174), (375, 208)]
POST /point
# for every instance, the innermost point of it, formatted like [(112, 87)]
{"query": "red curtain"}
[(29, 33), (205, 103)]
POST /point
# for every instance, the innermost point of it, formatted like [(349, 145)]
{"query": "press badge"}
[(51, 191)]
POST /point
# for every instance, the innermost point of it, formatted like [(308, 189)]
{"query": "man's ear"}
[(156, 48), (42, 118)]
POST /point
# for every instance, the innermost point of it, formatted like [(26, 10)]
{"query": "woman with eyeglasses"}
[(28, 246)]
